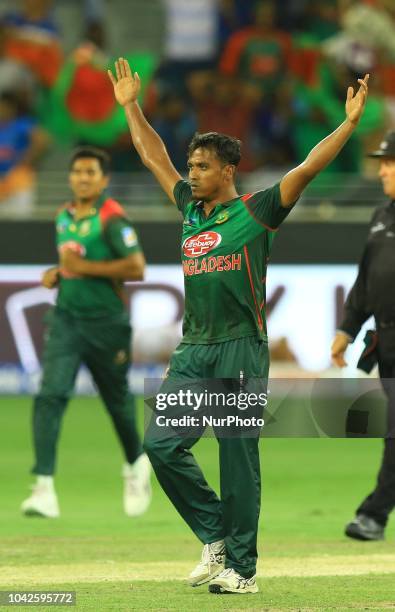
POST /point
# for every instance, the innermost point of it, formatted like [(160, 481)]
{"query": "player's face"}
[(207, 174), (87, 180), (387, 175)]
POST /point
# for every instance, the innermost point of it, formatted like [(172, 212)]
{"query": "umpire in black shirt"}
[(373, 293)]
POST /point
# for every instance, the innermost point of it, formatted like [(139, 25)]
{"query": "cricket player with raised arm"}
[(98, 250), (225, 246)]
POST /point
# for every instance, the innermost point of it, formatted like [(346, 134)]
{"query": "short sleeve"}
[(182, 195), (265, 207), (122, 237)]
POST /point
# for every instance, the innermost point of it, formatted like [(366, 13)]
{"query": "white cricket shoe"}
[(230, 581), (211, 564), (137, 491), (43, 501)]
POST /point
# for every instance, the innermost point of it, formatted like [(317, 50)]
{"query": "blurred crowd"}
[(273, 74)]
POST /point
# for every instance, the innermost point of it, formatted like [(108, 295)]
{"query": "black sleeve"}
[(182, 195), (355, 308), (265, 207)]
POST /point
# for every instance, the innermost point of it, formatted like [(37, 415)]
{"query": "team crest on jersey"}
[(200, 244), (61, 227), (129, 237), (222, 217), (85, 228)]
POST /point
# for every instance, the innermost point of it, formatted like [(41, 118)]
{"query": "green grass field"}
[(310, 489)]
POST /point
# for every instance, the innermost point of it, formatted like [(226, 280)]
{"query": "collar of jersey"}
[(96, 206), (200, 203)]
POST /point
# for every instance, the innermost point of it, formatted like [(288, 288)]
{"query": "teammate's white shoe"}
[(137, 486), (230, 581), (43, 500), (211, 564)]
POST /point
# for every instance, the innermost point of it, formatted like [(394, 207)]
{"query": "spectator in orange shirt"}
[(13, 74), (33, 39), (259, 54)]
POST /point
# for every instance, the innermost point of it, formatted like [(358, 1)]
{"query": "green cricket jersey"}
[(224, 258), (104, 234)]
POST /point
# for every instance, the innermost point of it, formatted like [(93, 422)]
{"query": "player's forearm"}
[(293, 183), (145, 139), (326, 150), (122, 269), (54, 269)]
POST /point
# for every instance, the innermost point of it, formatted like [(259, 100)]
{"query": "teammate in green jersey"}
[(226, 242), (98, 251)]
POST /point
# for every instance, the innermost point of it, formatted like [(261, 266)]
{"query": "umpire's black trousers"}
[(381, 501)]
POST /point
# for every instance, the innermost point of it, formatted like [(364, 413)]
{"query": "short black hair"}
[(226, 148), (88, 152)]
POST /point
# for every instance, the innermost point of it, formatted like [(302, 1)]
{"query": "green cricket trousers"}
[(233, 517), (103, 344)]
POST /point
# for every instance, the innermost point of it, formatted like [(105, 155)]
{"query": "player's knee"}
[(50, 401), (158, 451), (150, 446)]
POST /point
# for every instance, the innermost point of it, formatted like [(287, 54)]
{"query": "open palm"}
[(126, 85), (355, 104)]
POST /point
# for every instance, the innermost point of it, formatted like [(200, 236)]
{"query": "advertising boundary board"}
[(304, 306)]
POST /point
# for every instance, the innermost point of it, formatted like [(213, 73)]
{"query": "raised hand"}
[(126, 85), (355, 104)]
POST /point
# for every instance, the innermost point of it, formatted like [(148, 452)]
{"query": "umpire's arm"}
[(356, 312)]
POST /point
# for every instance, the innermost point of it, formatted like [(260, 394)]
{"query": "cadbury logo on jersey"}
[(73, 245), (201, 244), (76, 247)]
